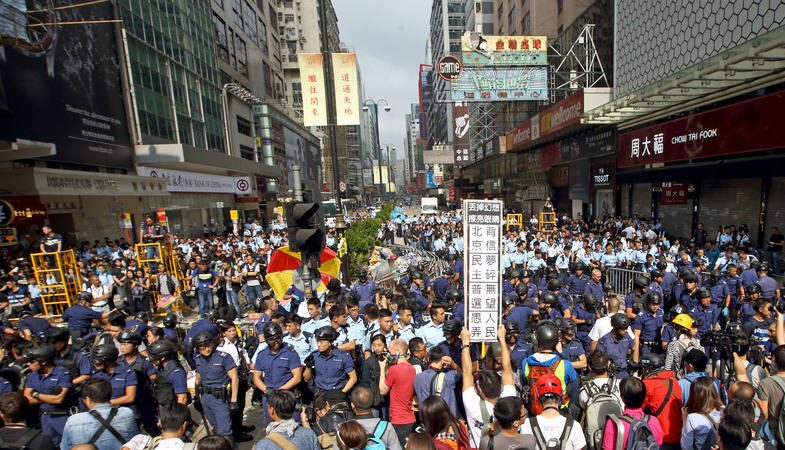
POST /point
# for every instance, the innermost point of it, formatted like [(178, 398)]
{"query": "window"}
[(242, 56), (273, 16), (249, 21), (262, 30), (288, 18), (501, 10), (237, 12), (268, 80), (511, 16), (247, 153), (220, 36), (526, 24), (243, 126), (297, 94)]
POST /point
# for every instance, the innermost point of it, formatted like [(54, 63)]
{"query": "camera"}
[(779, 305), (384, 355), (724, 343)]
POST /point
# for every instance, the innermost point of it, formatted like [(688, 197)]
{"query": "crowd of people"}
[(690, 356)]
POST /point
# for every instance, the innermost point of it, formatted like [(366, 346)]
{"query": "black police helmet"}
[(515, 273), (690, 277), (567, 324), (125, 310), (580, 265), (656, 273), (170, 321), (620, 320), (640, 282), (162, 348), (590, 300), (548, 298), (334, 284), (512, 327), (763, 268), (84, 296), (258, 304), (204, 339), (607, 287), (41, 353), (715, 274), (526, 273), (272, 331), (453, 294), (326, 333), (452, 327), (755, 264), (509, 299), (417, 275), (547, 336), (126, 337), (734, 328), (662, 266), (676, 310), (521, 289), (105, 353), (653, 360), (554, 285), (654, 298), (56, 334), (754, 289), (703, 293)]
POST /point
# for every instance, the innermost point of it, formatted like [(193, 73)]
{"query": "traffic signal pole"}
[(340, 224)]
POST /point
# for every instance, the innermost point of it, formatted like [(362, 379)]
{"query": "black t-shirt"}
[(777, 239), (20, 436), (50, 242)]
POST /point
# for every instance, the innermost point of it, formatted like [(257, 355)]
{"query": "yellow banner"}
[(347, 99), (313, 89)]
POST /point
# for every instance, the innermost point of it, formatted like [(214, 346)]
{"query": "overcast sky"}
[(389, 38)]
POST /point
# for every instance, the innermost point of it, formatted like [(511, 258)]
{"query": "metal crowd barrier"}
[(434, 265), (621, 279)]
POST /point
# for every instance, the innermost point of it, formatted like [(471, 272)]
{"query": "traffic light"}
[(305, 228)]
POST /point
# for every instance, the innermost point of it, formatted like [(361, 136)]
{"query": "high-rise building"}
[(536, 17)]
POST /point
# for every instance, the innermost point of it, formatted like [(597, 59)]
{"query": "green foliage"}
[(360, 240), (385, 212)]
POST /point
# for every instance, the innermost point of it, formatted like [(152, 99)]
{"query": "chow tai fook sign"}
[(482, 267), (486, 84), (674, 193), (481, 50), (563, 114), (719, 132)]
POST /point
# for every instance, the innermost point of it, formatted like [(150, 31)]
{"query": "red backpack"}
[(535, 372)]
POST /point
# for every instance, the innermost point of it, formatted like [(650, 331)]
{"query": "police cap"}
[(675, 311), (656, 273), (567, 324), (754, 289), (521, 289), (84, 296), (580, 265), (515, 273), (703, 293), (170, 321), (654, 298), (526, 273), (512, 327)]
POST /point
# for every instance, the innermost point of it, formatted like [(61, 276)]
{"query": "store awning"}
[(185, 157), (755, 64)]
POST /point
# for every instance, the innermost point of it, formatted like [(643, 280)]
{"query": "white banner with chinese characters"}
[(482, 272), (347, 99), (313, 89)]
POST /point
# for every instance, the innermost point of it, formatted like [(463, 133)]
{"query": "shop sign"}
[(461, 125), (7, 213), (561, 115), (674, 193), (601, 175), (749, 126), (234, 215), (66, 182), (579, 180), (481, 50), (124, 221), (600, 142), (181, 181), (449, 68), (487, 84), (482, 270)]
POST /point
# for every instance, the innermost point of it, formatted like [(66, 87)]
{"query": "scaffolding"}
[(151, 255), (548, 222), (58, 276)]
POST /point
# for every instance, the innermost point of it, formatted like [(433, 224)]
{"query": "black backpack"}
[(22, 444)]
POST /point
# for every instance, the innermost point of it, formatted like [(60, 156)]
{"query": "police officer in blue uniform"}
[(519, 348), (170, 385), (365, 289), (572, 349), (417, 289), (549, 309), (132, 323), (217, 384), (522, 311), (508, 285), (635, 300), (577, 281), (647, 325), (330, 368), (170, 328), (619, 345), (278, 367), (750, 275), (594, 286), (47, 386), (441, 285), (144, 371), (720, 292), (452, 342), (656, 283), (584, 316), (123, 379), (455, 299), (705, 314), (769, 289), (79, 317), (669, 280), (688, 294), (31, 326)]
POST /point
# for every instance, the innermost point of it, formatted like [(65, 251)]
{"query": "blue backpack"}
[(640, 436), (375, 441)]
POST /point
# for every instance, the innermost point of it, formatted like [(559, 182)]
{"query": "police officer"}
[(618, 344), (508, 285), (584, 316), (145, 372), (205, 325), (47, 385), (278, 367), (123, 379), (656, 283), (747, 308), (216, 373), (769, 289), (572, 349), (299, 340), (365, 289), (30, 326), (170, 385), (635, 300), (455, 299), (331, 369), (705, 314), (647, 325), (549, 307), (451, 342), (749, 276), (441, 285), (522, 311), (688, 294), (565, 302), (432, 332), (594, 286), (519, 348), (720, 292), (170, 327), (734, 283), (65, 355), (577, 282), (80, 316), (532, 292), (418, 290)]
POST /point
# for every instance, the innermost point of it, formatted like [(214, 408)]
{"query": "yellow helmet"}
[(683, 320)]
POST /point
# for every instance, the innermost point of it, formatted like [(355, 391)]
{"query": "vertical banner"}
[(347, 99), (482, 227), (462, 124), (313, 89)]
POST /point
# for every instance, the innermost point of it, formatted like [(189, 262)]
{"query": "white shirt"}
[(140, 441), (553, 428), (471, 402), (603, 326), (232, 350)]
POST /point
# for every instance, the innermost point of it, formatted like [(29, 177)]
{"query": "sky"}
[(389, 37)]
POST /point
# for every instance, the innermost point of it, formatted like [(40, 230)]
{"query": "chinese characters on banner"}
[(461, 140), (478, 49), (674, 193), (313, 89), (346, 95), (482, 267)]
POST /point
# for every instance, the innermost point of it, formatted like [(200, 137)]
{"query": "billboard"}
[(346, 88), (312, 82), (61, 84), (439, 155), (488, 84), (304, 153), (461, 124), (479, 50)]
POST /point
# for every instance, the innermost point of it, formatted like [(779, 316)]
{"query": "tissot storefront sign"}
[(729, 130)]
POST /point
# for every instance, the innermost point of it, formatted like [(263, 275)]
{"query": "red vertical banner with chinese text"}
[(313, 89), (347, 99)]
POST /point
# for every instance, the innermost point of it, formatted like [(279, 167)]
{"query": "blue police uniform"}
[(705, 317), (171, 335), (214, 374), (420, 299), (577, 284), (53, 417), (633, 298), (454, 351), (507, 287), (440, 287), (406, 333), (521, 315), (264, 318), (431, 333), (276, 369), (458, 312), (572, 350), (690, 301), (593, 287), (365, 292), (583, 329), (668, 282), (649, 325), (554, 314), (301, 344), (310, 326), (564, 300), (79, 318), (617, 350), (121, 378), (668, 334), (136, 326), (719, 292), (520, 352), (768, 287), (5, 386), (749, 277), (657, 287), (331, 371), (201, 326), (36, 325), (734, 283)]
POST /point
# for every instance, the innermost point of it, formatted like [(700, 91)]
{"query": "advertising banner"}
[(719, 132), (579, 180), (482, 267), (561, 115), (487, 84), (181, 181), (313, 89), (503, 50), (61, 84), (347, 99), (302, 152), (461, 124)]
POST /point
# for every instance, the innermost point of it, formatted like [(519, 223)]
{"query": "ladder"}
[(58, 276), (161, 253), (548, 222)]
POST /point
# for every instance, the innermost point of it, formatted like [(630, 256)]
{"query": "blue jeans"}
[(251, 293), (775, 262), (232, 300), (205, 301)]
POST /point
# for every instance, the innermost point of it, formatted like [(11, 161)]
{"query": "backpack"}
[(535, 372), (437, 384), (779, 431), (152, 444), (600, 405), (31, 434), (640, 436), (375, 440), (559, 444)]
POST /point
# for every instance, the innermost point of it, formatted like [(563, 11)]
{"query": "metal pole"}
[(388, 169), (298, 187), (340, 224)]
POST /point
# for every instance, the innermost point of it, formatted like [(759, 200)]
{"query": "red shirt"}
[(670, 417), (400, 380)]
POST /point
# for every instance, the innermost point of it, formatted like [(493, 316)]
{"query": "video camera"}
[(723, 343)]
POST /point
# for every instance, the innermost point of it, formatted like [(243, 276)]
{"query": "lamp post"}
[(376, 145)]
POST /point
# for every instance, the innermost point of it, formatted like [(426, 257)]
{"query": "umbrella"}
[(284, 270)]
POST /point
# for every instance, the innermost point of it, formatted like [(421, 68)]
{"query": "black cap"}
[(326, 333), (105, 352), (512, 327), (272, 331), (126, 337), (547, 335), (620, 320), (84, 296), (640, 282), (554, 285)]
